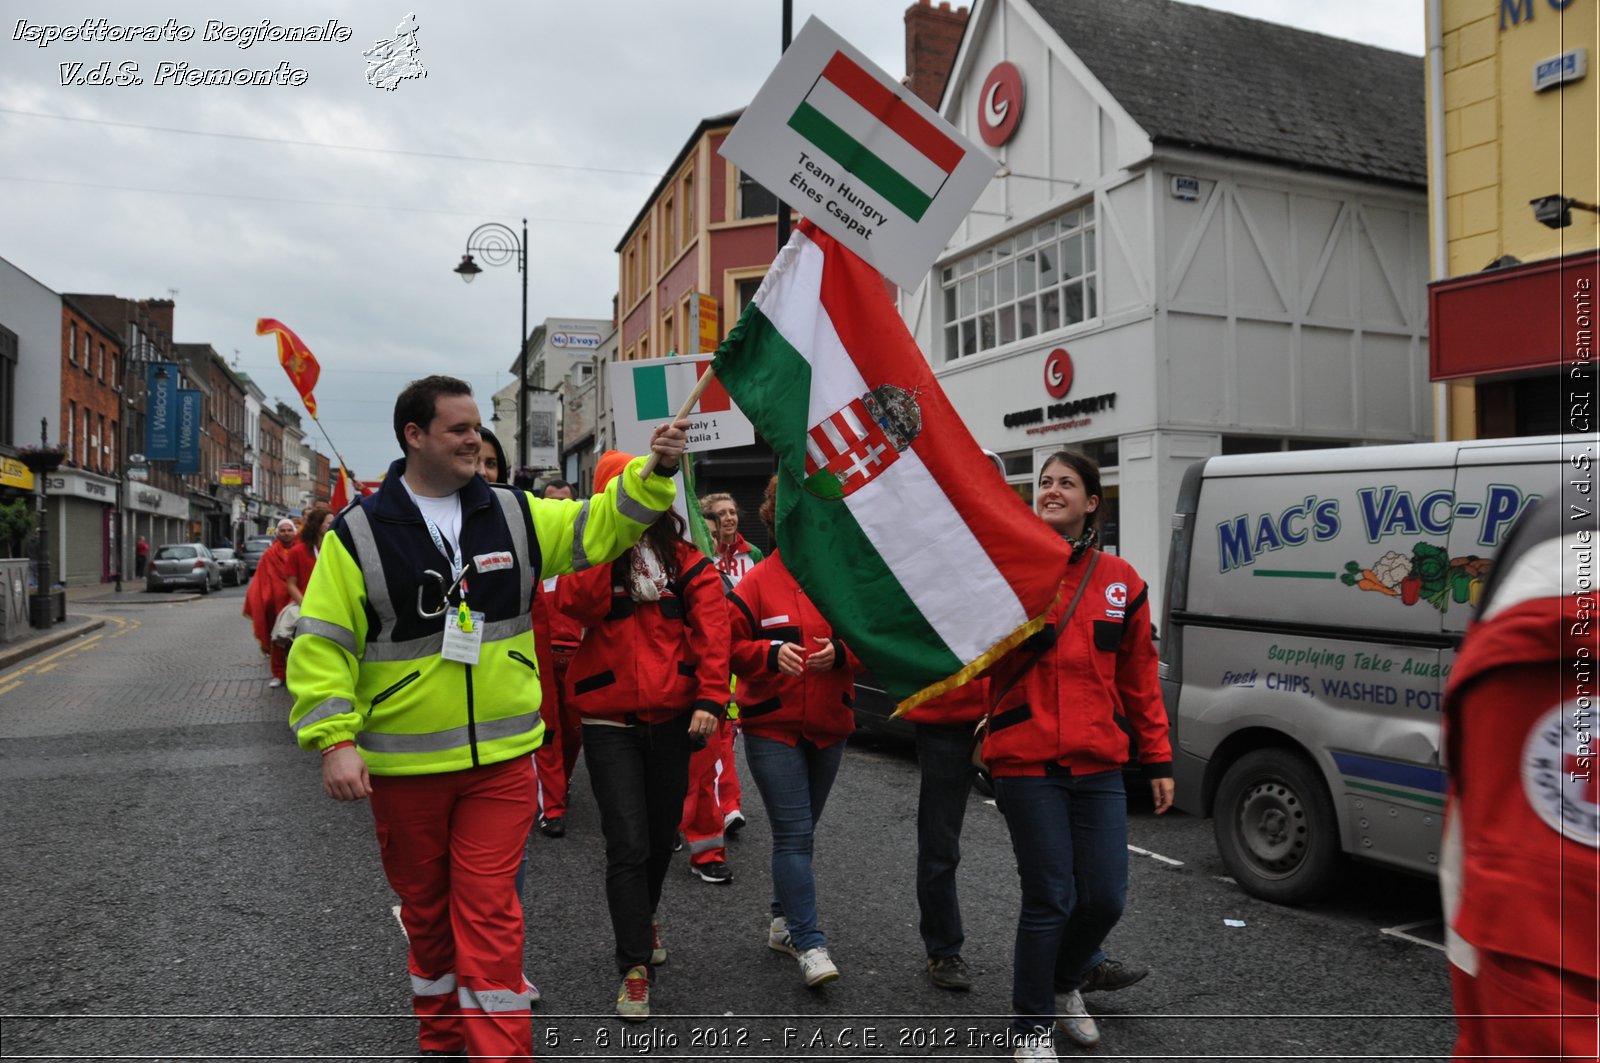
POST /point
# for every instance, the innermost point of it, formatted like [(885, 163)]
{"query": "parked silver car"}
[(231, 565), (182, 565), (254, 547)]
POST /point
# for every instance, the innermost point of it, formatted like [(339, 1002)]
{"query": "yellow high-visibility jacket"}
[(366, 663)]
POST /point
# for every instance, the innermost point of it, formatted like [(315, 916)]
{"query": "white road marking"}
[(1155, 856), (1400, 932)]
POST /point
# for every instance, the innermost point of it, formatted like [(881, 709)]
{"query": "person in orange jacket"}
[(796, 688), (649, 680), (1056, 753), (1521, 855)]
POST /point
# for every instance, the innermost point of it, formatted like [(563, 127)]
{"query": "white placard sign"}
[(647, 392), (543, 424), (855, 152)]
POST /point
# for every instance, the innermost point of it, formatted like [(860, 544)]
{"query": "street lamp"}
[(1556, 211), (498, 244)]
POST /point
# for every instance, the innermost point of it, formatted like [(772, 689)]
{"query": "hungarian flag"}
[(857, 120), (888, 513), (296, 359)]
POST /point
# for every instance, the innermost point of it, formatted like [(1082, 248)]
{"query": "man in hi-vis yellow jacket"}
[(414, 674)]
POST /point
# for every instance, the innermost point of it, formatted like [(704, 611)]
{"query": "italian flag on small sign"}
[(659, 390), (859, 122)]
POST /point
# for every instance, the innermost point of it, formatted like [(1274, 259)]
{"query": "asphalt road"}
[(175, 885)]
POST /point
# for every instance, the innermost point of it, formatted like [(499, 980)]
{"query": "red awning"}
[(1505, 320)]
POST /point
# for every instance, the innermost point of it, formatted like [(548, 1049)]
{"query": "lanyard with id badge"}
[(463, 627)]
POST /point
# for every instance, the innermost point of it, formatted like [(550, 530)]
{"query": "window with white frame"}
[(1030, 283)]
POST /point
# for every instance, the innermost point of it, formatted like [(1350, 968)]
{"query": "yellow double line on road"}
[(46, 664)]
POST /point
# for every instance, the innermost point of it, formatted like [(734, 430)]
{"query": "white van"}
[(1315, 600)]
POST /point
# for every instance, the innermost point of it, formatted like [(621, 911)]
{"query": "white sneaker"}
[(275, 683), (1074, 1020), (778, 937), (816, 968), (1036, 1048)]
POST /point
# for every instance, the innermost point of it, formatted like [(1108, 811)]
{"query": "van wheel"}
[(1276, 829)]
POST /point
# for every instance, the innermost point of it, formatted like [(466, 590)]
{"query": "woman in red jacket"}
[(303, 554), (1056, 753), (795, 693), (649, 680)]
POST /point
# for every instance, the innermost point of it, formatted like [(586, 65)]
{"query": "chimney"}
[(932, 36)]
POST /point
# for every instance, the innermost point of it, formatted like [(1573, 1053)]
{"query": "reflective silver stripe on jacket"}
[(492, 1000), (706, 844), (580, 559), (371, 563), (335, 633), (331, 707), (432, 987), (629, 508), (514, 504), (443, 741), (430, 645)]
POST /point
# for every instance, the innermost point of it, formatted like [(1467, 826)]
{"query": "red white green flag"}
[(888, 514)]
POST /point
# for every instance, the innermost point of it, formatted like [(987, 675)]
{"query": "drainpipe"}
[(1439, 204)]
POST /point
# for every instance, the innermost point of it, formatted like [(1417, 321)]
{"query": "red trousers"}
[(451, 844), (1518, 1009), (563, 740), (704, 804), (280, 661)]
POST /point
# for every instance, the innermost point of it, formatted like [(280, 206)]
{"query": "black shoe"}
[(716, 872), (552, 827), (1110, 975), (950, 973)]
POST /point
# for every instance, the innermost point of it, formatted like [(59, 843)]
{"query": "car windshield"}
[(174, 553), (222, 554), (258, 545)]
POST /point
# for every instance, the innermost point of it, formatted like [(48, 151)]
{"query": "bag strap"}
[(1060, 626)]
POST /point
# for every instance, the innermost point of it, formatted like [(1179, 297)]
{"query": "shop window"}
[(754, 200), (1023, 286)]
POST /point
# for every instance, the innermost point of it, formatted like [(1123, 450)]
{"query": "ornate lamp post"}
[(41, 462), (498, 244)]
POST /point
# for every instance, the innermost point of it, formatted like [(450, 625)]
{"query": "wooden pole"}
[(688, 404)]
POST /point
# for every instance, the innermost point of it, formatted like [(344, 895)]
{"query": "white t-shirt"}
[(445, 513)]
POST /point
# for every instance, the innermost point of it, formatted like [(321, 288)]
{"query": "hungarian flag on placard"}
[(889, 515), (659, 390), (852, 117), (296, 359)]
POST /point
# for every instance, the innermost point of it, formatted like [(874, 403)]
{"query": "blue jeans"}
[(640, 775), (1070, 837), (794, 782), (944, 753)]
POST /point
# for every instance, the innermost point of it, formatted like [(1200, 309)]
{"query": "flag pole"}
[(688, 404), (331, 445)]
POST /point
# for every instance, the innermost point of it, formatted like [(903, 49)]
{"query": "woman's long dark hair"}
[(1088, 471), (504, 473), (663, 536)]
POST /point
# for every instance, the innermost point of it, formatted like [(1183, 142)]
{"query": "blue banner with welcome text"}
[(188, 432), (161, 411)]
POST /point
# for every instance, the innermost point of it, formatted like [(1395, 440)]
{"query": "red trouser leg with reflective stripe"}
[(548, 758), (702, 820), (1517, 1009), (451, 844), (729, 794)]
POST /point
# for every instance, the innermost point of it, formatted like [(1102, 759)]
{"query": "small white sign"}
[(647, 392), (1185, 187), (1568, 66), (854, 151)]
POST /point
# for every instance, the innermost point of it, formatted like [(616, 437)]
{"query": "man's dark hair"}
[(418, 401), (544, 492)]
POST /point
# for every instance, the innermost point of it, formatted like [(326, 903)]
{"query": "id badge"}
[(460, 645)]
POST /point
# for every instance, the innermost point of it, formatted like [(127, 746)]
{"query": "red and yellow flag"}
[(296, 359)]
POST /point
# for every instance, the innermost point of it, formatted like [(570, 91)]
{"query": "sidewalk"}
[(80, 601)]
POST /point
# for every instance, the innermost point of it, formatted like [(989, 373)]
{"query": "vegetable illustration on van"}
[(1429, 575)]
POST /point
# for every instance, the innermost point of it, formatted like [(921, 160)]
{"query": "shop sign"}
[(77, 485), (1000, 104), (139, 473), (162, 503), (15, 474), (706, 325), (1064, 413), (1568, 66), (235, 476), (1185, 187), (583, 341)]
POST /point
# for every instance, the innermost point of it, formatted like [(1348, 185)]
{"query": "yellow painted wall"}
[(1506, 144)]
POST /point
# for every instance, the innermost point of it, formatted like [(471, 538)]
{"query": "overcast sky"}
[(564, 112)]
